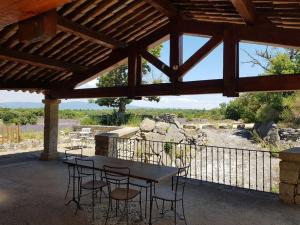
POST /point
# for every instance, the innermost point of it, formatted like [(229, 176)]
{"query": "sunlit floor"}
[(32, 193)]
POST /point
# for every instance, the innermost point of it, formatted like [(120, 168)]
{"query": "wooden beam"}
[(199, 55), (245, 84), (12, 11), (176, 50), (116, 57), (230, 64), (37, 60), (289, 38), (132, 72), (88, 34), (184, 88), (157, 63), (38, 28), (246, 10), (269, 83), (165, 7)]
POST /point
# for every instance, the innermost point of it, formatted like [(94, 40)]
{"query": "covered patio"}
[(28, 197), (54, 46)]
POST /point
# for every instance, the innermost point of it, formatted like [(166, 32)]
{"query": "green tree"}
[(118, 77), (277, 106)]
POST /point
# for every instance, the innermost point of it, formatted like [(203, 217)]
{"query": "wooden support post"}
[(134, 73), (230, 64), (50, 129), (176, 51)]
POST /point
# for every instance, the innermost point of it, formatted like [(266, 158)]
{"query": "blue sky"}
[(209, 68)]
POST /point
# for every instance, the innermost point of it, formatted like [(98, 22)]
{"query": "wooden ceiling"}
[(93, 35)]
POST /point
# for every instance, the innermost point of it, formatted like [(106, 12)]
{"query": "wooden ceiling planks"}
[(12, 11), (89, 32)]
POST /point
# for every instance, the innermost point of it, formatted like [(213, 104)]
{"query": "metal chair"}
[(88, 180), (174, 195), (143, 184), (69, 155), (120, 193)]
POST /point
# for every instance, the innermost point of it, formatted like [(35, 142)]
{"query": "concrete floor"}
[(32, 193)]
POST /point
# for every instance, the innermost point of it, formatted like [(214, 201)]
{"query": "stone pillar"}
[(104, 144), (50, 129), (289, 187)]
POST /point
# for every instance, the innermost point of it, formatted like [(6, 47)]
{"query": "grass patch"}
[(32, 135)]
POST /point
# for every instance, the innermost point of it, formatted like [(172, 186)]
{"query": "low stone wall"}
[(289, 134), (289, 187), (96, 128)]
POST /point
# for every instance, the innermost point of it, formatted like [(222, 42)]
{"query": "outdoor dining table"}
[(150, 173)]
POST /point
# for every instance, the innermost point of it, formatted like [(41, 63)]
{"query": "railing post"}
[(289, 187)]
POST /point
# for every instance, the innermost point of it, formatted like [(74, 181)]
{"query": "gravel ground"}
[(231, 138)]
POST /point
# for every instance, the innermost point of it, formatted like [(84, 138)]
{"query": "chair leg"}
[(141, 212), (146, 204), (175, 214), (100, 194), (69, 180), (183, 212), (163, 207), (126, 205), (93, 204), (151, 204), (108, 210)]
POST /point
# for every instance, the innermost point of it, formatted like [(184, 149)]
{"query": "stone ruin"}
[(166, 128), (164, 140)]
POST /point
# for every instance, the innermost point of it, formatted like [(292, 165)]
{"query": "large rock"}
[(174, 134), (147, 125), (268, 132), (162, 127), (151, 136)]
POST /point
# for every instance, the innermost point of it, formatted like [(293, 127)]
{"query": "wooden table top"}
[(144, 171)]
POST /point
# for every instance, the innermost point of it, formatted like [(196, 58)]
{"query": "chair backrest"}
[(73, 153), (113, 173), (85, 168), (180, 181)]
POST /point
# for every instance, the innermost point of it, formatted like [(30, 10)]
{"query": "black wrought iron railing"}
[(251, 169)]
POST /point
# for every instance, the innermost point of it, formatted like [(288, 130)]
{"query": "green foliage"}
[(262, 107), (20, 116), (168, 147)]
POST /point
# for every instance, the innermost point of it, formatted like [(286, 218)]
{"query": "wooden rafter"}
[(117, 56), (88, 34), (258, 34), (37, 60), (165, 7), (246, 10), (199, 55), (157, 63)]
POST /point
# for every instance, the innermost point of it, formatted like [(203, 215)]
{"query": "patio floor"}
[(32, 193)]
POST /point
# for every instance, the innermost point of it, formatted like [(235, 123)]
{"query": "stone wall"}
[(289, 134), (96, 128), (289, 187)]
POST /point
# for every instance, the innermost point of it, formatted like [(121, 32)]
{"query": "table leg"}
[(151, 203)]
